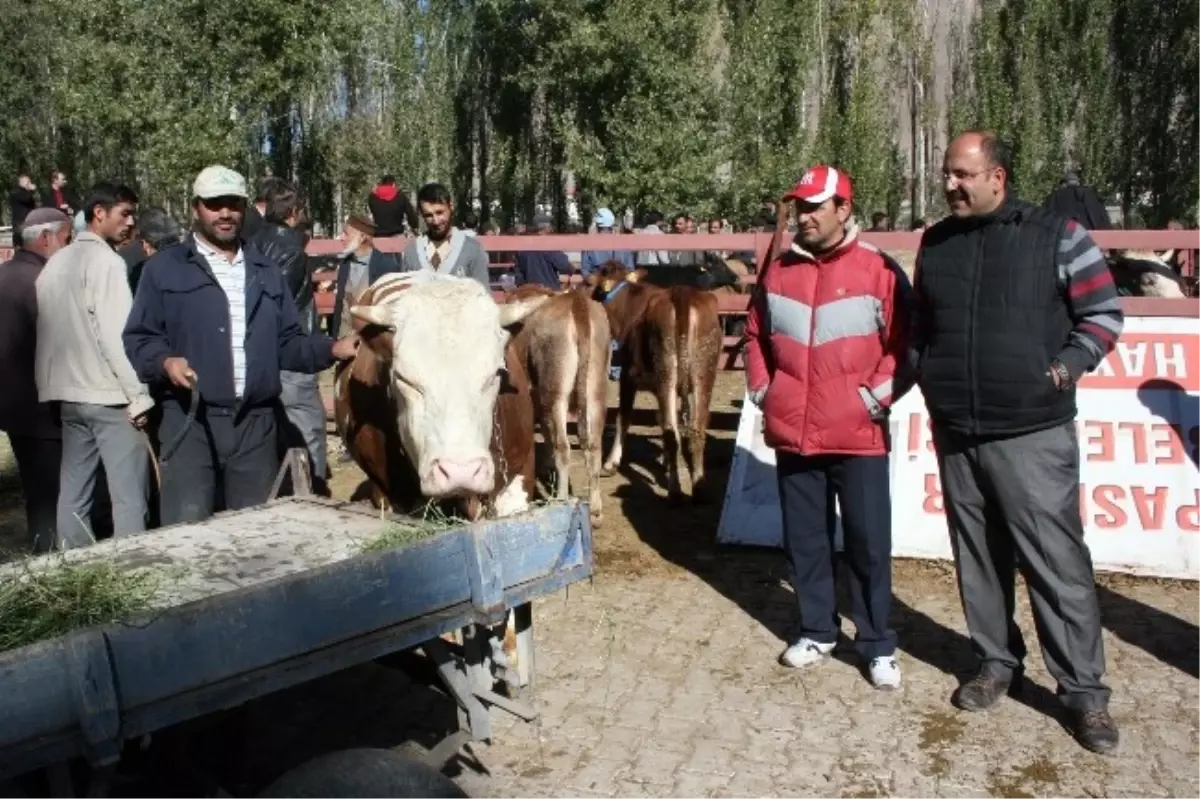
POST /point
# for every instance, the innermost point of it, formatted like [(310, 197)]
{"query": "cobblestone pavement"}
[(670, 687), (660, 678)]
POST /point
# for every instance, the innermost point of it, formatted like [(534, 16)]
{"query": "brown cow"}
[(565, 347), (437, 403), (670, 343)]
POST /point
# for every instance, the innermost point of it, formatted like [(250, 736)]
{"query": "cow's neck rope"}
[(615, 290)]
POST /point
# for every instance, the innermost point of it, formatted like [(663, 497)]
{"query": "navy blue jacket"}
[(542, 268), (181, 311)]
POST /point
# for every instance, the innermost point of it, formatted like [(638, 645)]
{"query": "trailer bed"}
[(258, 600)]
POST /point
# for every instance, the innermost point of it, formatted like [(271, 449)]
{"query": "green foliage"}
[(1108, 86), (705, 106)]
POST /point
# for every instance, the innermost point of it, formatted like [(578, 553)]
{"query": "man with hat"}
[(32, 427), (361, 265), (591, 260), (214, 315), (827, 338)]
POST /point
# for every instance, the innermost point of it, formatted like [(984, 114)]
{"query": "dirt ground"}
[(658, 678)]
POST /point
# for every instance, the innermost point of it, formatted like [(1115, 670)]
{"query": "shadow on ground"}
[(757, 579)]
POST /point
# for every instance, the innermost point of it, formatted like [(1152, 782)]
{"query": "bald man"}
[(1015, 305)]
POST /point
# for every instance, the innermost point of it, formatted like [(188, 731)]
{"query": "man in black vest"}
[(1015, 304)]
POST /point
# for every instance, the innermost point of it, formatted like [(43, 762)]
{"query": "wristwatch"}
[(1064, 377)]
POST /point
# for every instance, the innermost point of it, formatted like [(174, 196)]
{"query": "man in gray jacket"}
[(444, 248), (83, 300)]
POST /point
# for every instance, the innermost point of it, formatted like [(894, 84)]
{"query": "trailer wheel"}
[(363, 772)]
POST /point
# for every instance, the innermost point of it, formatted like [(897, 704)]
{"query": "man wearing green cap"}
[(213, 313)]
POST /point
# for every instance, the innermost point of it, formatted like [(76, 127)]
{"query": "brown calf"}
[(565, 348), (669, 343)]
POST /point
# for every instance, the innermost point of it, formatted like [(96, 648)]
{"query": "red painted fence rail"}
[(735, 304)]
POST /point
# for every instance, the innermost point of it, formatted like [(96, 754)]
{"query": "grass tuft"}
[(41, 602), (401, 534)]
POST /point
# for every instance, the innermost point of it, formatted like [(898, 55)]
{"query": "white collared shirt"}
[(231, 276)]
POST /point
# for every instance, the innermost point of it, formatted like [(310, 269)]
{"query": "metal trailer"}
[(262, 599)]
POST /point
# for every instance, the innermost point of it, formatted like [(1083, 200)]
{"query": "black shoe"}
[(982, 691), (1095, 730)]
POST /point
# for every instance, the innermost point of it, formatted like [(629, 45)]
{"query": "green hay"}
[(433, 520), (401, 534), (44, 602)]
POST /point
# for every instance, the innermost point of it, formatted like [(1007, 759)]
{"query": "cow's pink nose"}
[(472, 476)]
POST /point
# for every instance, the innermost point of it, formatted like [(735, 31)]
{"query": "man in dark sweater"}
[(21, 200), (1015, 305), (1073, 200), (391, 210), (542, 268), (33, 428)]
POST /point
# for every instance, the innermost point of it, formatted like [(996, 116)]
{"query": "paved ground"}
[(669, 687), (660, 679)]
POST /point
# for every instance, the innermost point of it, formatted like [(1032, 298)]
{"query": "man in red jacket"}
[(391, 210), (827, 337)]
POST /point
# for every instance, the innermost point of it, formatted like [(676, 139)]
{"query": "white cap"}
[(219, 181)]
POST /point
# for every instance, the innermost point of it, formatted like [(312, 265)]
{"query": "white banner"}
[(1139, 420)]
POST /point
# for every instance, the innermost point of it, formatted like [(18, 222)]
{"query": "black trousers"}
[(38, 463), (1020, 496), (808, 487), (222, 463)]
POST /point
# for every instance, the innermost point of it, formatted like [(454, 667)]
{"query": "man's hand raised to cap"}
[(179, 372)]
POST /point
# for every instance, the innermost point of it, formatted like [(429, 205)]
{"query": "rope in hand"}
[(169, 448)]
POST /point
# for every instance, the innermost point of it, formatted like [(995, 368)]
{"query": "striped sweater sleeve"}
[(1092, 301)]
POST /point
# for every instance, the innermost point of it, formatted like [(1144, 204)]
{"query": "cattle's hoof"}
[(597, 519), (608, 470)]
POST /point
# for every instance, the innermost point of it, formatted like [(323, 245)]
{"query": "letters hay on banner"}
[(1139, 437)]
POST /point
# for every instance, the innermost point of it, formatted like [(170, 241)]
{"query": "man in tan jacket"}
[(83, 300)]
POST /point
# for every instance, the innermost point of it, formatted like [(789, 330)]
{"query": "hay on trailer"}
[(48, 599), (403, 533)]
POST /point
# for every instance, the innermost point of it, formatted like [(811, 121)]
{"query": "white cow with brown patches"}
[(435, 405)]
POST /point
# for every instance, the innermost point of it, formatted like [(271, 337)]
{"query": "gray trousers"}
[(92, 435), (301, 398), (1018, 498)]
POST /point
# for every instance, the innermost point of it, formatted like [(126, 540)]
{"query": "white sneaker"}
[(805, 652), (885, 673)]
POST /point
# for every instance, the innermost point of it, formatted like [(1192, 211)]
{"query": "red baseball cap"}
[(820, 183)]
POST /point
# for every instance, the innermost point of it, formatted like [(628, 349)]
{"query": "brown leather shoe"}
[(982, 691), (1095, 730)]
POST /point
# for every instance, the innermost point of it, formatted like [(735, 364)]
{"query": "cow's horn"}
[(513, 312), (372, 315)]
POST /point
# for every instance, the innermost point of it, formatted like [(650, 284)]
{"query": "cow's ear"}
[(368, 315), (379, 340), (513, 312), (375, 328)]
